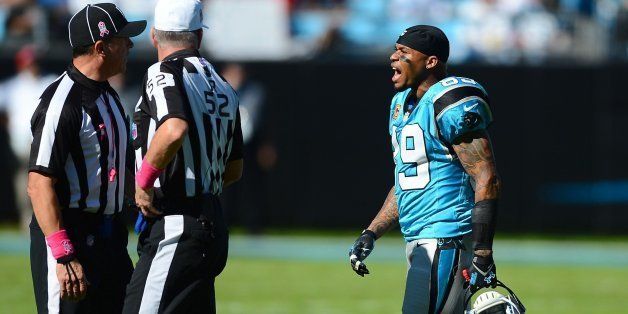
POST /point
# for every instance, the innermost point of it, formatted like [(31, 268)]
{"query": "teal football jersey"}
[(434, 193)]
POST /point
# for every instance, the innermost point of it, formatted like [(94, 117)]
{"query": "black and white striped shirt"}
[(186, 86), (80, 137)]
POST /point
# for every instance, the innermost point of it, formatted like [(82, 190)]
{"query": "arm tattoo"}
[(476, 156), (388, 216)]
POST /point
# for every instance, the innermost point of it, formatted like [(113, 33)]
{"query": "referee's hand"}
[(144, 201), (72, 281)]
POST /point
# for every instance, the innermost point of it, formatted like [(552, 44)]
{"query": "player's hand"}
[(144, 201), (482, 273), (72, 281), (360, 250)]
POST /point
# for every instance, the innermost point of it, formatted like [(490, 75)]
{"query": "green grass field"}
[(258, 283)]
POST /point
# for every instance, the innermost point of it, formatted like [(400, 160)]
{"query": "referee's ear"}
[(152, 37), (99, 48)]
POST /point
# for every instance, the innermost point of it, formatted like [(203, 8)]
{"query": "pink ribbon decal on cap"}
[(103, 29)]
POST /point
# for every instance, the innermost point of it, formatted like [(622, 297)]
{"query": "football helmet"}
[(493, 302)]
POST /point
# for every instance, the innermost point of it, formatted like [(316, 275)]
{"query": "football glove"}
[(481, 274), (360, 250)]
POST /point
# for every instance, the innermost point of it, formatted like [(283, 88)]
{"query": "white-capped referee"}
[(188, 143), (77, 171)]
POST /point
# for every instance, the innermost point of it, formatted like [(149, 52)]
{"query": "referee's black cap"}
[(100, 21)]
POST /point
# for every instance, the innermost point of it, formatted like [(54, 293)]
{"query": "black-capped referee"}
[(77, 171), (188, 144)]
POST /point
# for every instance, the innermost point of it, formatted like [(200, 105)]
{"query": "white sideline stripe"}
[(159, 267), (54, 298), (53, 114)]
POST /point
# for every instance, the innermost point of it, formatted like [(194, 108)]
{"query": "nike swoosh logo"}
[(465, 108)]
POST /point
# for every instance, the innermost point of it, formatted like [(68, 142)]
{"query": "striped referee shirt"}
[(186, 86), (80, 137)]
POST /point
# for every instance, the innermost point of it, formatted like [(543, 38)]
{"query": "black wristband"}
[(483, 260), (66, 259), (483, 222), (370, 233)]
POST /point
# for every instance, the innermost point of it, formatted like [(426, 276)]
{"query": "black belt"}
[(205, 204), (101, 223)]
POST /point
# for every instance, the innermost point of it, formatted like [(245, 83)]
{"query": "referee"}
[(77, 166), (188, 145)]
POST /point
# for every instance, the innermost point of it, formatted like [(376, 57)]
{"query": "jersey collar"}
[(410, 102), (80, 78), (182, 54)]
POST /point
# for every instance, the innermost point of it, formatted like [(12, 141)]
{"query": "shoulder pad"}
[(453, 90)]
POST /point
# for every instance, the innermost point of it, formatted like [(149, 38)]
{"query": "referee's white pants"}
[(434, 282)]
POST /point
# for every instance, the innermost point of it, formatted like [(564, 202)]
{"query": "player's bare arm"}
[(476, 156), (48, 214), (165, 144), (475, 153), (387, 217)]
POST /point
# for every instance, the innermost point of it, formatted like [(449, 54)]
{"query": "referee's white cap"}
[(179, 15)]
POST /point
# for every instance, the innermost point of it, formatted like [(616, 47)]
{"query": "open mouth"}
[(396, 74)]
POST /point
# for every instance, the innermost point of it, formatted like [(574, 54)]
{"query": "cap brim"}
[(132, 29)]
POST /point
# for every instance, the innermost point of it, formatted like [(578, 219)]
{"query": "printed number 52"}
[(209, 99)]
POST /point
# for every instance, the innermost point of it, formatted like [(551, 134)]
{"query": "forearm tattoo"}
[(476, 156), (388, 216)]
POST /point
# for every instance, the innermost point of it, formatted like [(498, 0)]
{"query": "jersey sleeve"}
[(164, 93), (53, 132), (238, 143), (462, 110)]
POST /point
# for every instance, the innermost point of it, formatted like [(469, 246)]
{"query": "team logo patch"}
[(471, 119), (397, 110), (67, 247), (103, 29)]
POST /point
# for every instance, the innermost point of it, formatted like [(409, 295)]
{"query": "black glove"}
[(482, 273), (361, 248)]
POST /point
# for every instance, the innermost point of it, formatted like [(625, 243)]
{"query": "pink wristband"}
[(146, 176), (60, 245)]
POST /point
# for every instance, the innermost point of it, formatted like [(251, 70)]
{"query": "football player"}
[(446, 183)]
